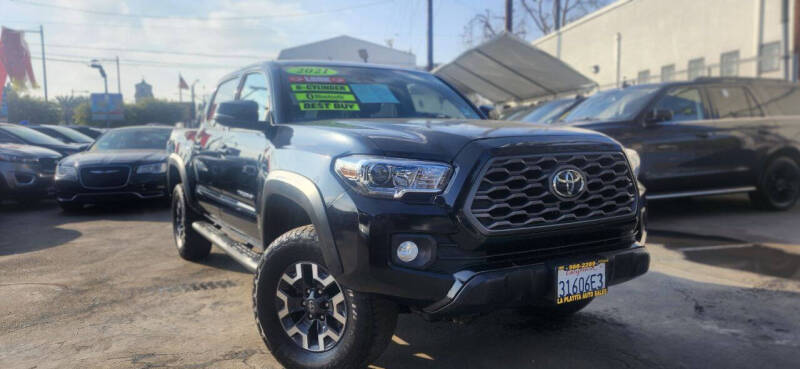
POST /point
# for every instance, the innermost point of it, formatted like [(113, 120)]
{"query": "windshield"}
[(612, 105), (316, 93), (548, 112), (133, 139), (31, 136), (72, 134)]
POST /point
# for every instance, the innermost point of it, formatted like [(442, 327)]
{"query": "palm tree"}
[(68, 105)]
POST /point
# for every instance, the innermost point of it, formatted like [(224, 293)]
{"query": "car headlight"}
[(392, 177), (17, 158), (155, 168), (66, 172), (634, 160)]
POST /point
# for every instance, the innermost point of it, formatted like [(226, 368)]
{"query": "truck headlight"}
[(155, 168), (66, 172), (634, 160), (392, 177)]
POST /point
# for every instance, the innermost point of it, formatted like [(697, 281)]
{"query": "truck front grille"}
[(515, 193), (105, 176)]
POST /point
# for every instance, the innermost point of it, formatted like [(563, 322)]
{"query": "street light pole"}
[(99, 67), (44, 63), (119, 84)]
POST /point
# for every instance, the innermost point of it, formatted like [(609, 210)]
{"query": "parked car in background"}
[(86, 130), (64, 134), (355, 191), (14, 133), (26, 172), (123, 164), (548, 112), (708, 136)]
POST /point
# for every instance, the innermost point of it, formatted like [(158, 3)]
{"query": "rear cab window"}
[(310, 92), (733, 102)]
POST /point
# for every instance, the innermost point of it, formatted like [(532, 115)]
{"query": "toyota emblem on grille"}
[(568, 183)]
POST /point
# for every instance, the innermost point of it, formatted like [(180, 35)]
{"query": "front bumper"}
[(140, 187), (21, 181), (527, 285)]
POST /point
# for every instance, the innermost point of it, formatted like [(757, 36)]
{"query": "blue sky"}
[(204, 26)]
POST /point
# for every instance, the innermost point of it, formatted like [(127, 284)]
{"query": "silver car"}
[(26, 172)]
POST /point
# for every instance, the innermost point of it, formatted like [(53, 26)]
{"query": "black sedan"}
[(63, 134), (14, 133), (89, 131), (123, 164)]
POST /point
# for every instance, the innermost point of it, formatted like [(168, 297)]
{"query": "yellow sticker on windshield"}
[(320, 87), (329, 106), (323, 96), (312, 71)]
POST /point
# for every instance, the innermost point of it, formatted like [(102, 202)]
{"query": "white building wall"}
[(656, 33), (345, 48)]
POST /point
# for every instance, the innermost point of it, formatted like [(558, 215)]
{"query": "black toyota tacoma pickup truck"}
[(356, 192)]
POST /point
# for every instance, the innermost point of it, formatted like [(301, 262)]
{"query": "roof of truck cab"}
[(316, 63)]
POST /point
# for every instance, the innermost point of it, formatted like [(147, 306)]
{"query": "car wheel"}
[(306, 318), (779, 187), (557, 311), (191, 245), (70, 207)]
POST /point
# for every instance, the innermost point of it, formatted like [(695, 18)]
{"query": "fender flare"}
[(303, 192), (174, 160)]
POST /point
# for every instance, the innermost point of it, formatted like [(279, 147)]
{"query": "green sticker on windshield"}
[(312, 71), (329, 106), (323, 96), (320, 87)]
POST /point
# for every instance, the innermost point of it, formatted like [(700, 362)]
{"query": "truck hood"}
[(443, 139), (115, 157), (28, 151)]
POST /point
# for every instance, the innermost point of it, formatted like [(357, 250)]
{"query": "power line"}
[(150, 51), (231, 18)]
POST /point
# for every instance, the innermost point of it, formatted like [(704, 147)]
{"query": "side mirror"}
[(238, 114), (486, 110), (658, 115)]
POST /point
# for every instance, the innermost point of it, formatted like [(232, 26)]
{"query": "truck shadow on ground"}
[(684, 324)]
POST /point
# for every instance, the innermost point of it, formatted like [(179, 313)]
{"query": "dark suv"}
[(705, 137), (355, 192)]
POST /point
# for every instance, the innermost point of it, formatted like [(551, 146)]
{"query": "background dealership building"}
[(640, 41)]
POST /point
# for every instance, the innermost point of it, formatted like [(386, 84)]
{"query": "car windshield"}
[(612, 105), (548, 112), (317, 93), (72, 134), (31, 136), (133, 139)]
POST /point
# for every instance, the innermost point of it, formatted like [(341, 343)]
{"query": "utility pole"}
[(119, 84), (509, 16), (430, 35), (44, 63), (557, 14)]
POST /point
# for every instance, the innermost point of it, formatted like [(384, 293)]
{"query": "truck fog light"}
[(407, 251)]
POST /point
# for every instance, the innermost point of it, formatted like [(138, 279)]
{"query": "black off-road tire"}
[(371, 320), (70, 207), (779, 186), (557, 311), (191, 245)]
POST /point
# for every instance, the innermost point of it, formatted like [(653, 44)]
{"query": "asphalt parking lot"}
[(105, 288)]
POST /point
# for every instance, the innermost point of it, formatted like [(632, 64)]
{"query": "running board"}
[(239, 252), (700, 193)]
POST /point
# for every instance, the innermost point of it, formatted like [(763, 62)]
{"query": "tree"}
[(31, 109), (541, 13), (68, 105)]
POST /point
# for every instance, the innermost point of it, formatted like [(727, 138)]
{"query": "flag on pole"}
[(182, 83)]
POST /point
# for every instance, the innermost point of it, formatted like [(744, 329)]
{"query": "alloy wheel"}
[(783, 183), (311, 306)]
